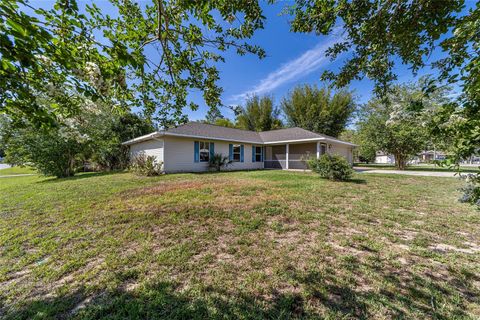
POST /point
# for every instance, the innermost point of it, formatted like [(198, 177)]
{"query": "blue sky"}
[(292, 59)]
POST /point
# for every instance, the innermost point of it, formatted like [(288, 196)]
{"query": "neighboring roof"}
[(214, 132)]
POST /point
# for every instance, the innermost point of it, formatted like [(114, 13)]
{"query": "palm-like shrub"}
[(333, 167), (219, 161)]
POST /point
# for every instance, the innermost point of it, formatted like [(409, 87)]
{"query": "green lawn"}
[(17, 170), (262, 244), (419, 167)]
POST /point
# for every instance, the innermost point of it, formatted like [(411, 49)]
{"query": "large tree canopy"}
[(319, 110), (150, 55), (395, 126), (376, 33)]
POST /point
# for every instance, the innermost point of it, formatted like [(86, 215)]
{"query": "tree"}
[(259, 114), (396, 125), (107, 131), (366, 150), (92, 53), (52, 151), (317, 110), (95, 135), (213, 115), (224, 122), (377, 34)]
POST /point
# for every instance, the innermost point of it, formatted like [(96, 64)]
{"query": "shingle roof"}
[(210, 131), (213, 131), (288, 134)]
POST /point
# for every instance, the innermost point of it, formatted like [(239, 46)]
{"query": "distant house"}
[(384, 158), (425, 156), (188, 148)]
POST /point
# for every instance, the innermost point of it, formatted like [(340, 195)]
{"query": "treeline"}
[(316, 109)]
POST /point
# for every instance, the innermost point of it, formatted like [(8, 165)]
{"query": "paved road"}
[(409, 172)]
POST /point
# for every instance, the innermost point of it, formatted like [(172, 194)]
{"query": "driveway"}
[(409, 172)]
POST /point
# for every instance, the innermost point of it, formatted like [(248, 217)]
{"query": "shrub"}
[(471, 192), (145, 165), (219, 161), (333, 167)]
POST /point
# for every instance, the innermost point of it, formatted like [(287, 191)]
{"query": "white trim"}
[(318, 150), (310, 139), (149, 136), (286, 155)]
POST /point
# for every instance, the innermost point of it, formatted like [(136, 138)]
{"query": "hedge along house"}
[(188, 147)]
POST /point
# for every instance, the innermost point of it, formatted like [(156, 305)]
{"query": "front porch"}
[(292, 155)]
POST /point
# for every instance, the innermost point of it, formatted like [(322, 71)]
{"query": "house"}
[(423, 157), (384, 158), (188, 147)]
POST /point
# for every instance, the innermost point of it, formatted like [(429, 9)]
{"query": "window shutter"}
[(241, 153), (196, 151), (261, 154), (230, 152), (212, 149), (253, 153)]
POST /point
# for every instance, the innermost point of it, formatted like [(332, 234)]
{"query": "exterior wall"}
[(150, 148), (179, 156), (342, 150), (385, 159)]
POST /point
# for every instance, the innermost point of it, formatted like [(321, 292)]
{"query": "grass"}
[(261, 244), (17, 170), (419, 167)]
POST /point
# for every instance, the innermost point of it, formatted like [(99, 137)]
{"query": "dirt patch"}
[(445, 248), (164, 187)]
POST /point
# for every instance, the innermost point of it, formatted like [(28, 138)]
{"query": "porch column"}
[(318, 149), (286, 156)]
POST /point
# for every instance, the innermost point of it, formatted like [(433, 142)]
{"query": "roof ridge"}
[(218, 125)]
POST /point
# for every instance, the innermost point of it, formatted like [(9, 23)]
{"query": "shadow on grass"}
[(160, 300), (402, 295), (357, 181), (82, 175)]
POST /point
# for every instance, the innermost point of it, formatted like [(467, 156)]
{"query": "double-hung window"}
[(258, 154), (204, 151), (236, 153)]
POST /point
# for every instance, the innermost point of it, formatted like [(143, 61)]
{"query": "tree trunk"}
[(400, 161)]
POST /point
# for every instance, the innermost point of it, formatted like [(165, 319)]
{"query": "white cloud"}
[(301, 66)]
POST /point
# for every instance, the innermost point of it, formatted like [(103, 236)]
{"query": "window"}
[(204, 151), (236, 153), (258, 154)]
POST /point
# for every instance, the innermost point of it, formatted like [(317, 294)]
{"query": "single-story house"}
[(188, 147)]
